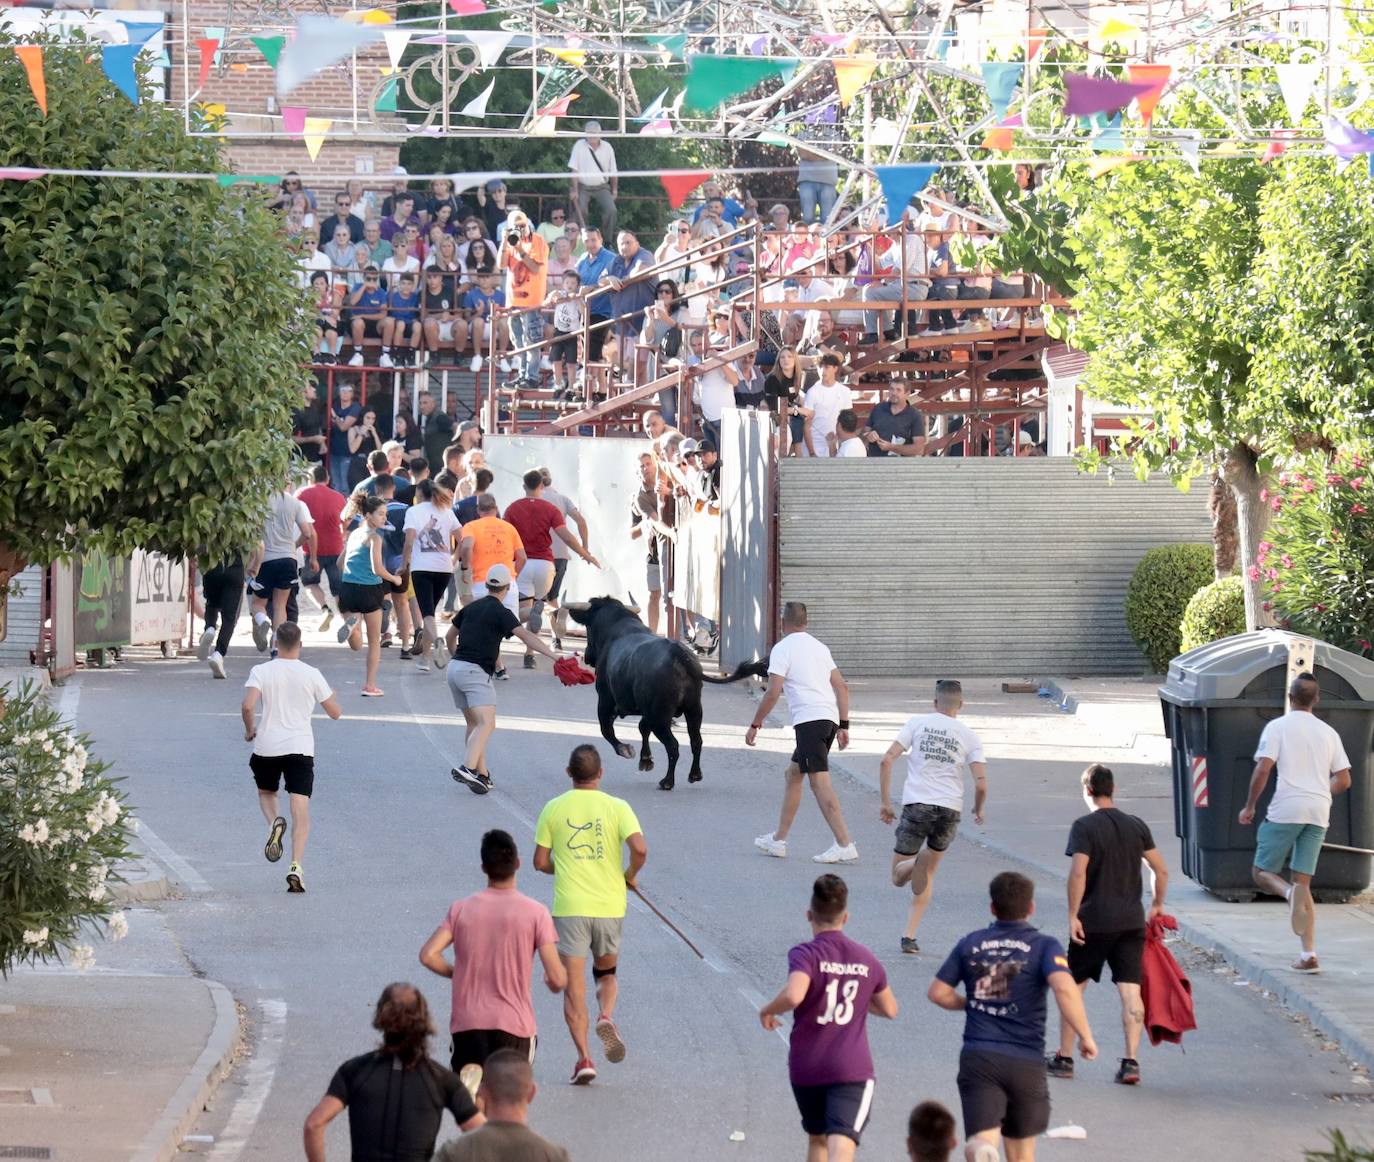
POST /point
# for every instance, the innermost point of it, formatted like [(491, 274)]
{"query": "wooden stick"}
[(681, 935)]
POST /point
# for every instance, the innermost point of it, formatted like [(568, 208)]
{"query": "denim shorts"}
[(925, 823), (1297, 844)]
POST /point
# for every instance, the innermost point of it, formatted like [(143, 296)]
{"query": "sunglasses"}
[(556, 218)]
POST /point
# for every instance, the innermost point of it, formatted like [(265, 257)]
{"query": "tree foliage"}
[(150, 335)]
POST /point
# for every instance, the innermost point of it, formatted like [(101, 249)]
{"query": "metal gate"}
[(748, 492)]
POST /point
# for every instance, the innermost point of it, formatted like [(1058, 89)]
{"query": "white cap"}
[(498, 577), (401, 171)]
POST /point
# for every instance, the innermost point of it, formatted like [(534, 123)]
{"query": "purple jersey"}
[(829, 1030)]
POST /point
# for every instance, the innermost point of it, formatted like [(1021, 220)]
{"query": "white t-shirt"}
[(394, 265), (939, 750), (583, 161), (285, 516), (715, 393), (827, 403), (435, 528), (565, 506), (805, 665), (290, 692), (1307, 752), (852, 448)]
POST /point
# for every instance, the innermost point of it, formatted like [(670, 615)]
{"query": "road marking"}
[(756, 1002), (259, 1074), (184, 873)]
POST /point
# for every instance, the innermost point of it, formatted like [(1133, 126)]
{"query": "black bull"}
[(638, 672)]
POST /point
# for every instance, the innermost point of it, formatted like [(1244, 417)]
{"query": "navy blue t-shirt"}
[(466, 509), (338, 440), (1005, 972), (394, 536)]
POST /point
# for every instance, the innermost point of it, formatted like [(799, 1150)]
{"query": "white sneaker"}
[(357, 360), (770, 846), (262, 634), (476, 364), (207, 639), (385, 360), (837, 854), (217, 664), (439, 653), (545, 364), (503, 364), (422, 665)]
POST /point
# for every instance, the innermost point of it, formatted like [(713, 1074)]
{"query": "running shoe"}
[(584, 1072), (500, 674), (207, 639), (217, 664), (386, 641), (386, 360), (610, 1039), (346, 629), (471, 1077), (1299, 908), (487, 780), (406, 655), (440, 655), (372, 692), (837, 854), (530, 663), (770, 846), (476, 364), (504, 364), (357, 360), (470, 779), (1307, 964), (422, 665), (327, 620), (273, 848), (1128, 1072), (295, 878), (910, 946), (1057, 1065), (262, 634), (417, 641)]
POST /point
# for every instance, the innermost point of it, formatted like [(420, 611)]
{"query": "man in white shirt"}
[(913, 274), (594, 178), (1312, 767), (716, 386), (821, 407), (277, 576), (818, 700), (939, 750), (847, 443), (284, 742)]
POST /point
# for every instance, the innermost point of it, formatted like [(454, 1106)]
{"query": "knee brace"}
[(598, 973)]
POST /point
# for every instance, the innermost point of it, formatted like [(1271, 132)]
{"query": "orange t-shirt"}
[(494, 542), (526, 288)]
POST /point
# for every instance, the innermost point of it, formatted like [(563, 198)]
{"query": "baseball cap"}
[(469, 426), (593, 127), (1023, 438), (689, 447), (401, 171), (498, 577)]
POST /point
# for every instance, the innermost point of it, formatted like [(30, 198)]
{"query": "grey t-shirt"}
[(283, 527), (561, 552), (817, 169)]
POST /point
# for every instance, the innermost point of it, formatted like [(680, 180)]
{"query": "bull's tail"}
[(743, 670)]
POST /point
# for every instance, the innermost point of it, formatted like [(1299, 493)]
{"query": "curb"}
[(145, 883), (163, 1142), (1066, 702)]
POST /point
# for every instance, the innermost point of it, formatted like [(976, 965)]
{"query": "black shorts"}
[(323, 325), (281, 573), (924, 823), (560, 566), (564, 349), (370, 328), (474, 1046), (1001, 1092), (842, 1108), (1120, 951), (596, 337), (814, 740), (297, 769), (429, 589), (329, 567), (355, 598)]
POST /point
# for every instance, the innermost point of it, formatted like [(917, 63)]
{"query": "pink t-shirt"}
[(496, 934)]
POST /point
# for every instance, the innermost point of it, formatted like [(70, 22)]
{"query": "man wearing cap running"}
[(474, 643), (489, 541)]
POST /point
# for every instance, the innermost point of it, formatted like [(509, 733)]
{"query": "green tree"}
[(151, 345)]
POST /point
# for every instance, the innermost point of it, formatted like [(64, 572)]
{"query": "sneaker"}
[(770, 846), (530, 663), (1128, 1073), (406, 655), (584, 1072), (207, 639), (500, 674), (262, 634), (470, 779), (357, 360), (837, 854), (1307, 964), (503, 364), (910, 946), (1299, 908), (386, 641), (485, 777), (272, 849), (386, 360), (610, 1039), (476, 364), (326, 621), (372, 692), (422, 666), (471, 1077), (346, 630), (295, 879), (417, 641), (1057, 1065), (440, 655)]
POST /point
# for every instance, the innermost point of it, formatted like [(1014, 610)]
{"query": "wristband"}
[(756, 726), (844, 724)]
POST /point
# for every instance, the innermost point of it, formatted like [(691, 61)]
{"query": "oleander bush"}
[(1163, 583), (1215, 611)]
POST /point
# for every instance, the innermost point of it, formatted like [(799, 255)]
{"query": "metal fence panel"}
[(747, 501)]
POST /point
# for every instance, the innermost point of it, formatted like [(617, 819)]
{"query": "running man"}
[(579, 836), (278, 575), (489, 541), (222, 586), (1006, 970), (570, 511), (430, 552), (818, 698), (939, 749), (1313, 768), (474, 643), (326, 512), (1106, 921), (284, 742), (495, 935), (833, 984)]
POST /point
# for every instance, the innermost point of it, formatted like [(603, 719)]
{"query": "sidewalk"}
[(1037, 747)]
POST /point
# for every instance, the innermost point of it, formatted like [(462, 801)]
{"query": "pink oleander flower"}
[(1334, 479), (1264, 495), (1364, 645), (1286, 561), (1357, 482), (1276, 503), (1253, 573), (1272, 574), (1308, 486), (1356, 509)]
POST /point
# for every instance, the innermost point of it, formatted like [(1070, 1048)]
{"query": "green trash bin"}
[(1216, 700)]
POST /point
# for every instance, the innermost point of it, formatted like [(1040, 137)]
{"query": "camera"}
[(512, 237)]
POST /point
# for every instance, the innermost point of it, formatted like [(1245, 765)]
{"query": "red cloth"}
[(325, 507), (1166, 992), (572, 672)]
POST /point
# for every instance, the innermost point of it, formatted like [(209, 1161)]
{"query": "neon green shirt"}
[(585, 831)]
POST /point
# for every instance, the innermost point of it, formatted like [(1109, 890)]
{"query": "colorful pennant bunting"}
[(852, 74), (208, 49), (901, 183), (396, 41), (1000, 138), (20, 174), (1190, 145), (270, 47), (378, 16), (1087, 95), (1156, 76), (386, 99), (654, 108), (1109, 139), (293, 119), (315, 130), (320, 41), (467, 7), (1000, 79), (679, 185), (31, 57), (118, 62), (1035, 41), (712, 80), (141, 32), (759, 45), (1117, 29), (1296, 82), (1344, 140), (477, 107), (674, 45), (659, 127), (573, 56), (216, 34), (491, 43), (559, 108)]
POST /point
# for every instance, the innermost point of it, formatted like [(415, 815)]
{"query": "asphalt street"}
[(395, 840)]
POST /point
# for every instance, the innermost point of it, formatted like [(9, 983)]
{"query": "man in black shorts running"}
[(1006, 970), (1106, 920)]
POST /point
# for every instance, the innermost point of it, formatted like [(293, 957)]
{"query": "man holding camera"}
[(524, 256)]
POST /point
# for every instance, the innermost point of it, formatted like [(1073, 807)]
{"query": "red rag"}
[(1165, 989), (572, 672)]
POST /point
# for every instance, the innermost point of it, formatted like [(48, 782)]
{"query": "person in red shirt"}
[(325, 506), (538, 521)]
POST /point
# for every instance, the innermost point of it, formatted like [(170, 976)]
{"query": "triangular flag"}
[(676, 107), (573, 56), (477, 107), (901, 183), (315, 130), (141, 32), (1035, 41), (1343, 164), (31, 57), (836, 39), (1095, 95), (491, 43), (1344, 140), (1000, 79), (674, 45), (208, 48), (216, 34), (543, 126), (396, 41), (559, 108), (851, 75), (759, 45), (1118, 29), (378, 16), (293, 119), (1190, 144), (660, 127), (679, 185), (654, 109), (270, 47), (319, 42), (213, 111), (1156, 76), (822, 114), (386, 98), (1109, 139), (20, 174), (712, 80), (999, 139), (467, 7), (1296, 82), (1277, 147), (118, 62)]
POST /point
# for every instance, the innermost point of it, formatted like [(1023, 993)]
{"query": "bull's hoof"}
[(646, 763), (625, 751), (694, 776), (666, 783)]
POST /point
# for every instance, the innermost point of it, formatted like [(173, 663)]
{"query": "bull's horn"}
[(633, 608), (578, 606)]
